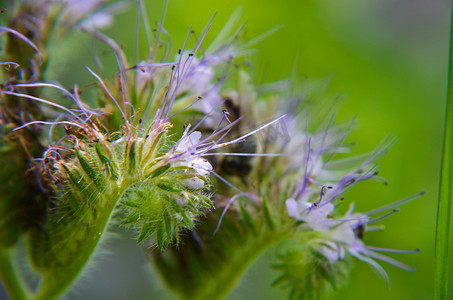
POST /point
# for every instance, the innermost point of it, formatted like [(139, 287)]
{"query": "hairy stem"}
[(11, 280), (56, 283), (228, 278)]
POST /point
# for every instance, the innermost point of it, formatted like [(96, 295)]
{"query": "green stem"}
[(445, 191), (56, 283), (10, 279), (228, 278)]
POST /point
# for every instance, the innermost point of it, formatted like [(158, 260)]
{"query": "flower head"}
[(186, 154)]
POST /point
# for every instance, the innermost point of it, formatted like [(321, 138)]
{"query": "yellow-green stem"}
[(444, 209), (10, 278)]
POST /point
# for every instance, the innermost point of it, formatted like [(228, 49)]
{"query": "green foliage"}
[(444, 209), (305, 272)]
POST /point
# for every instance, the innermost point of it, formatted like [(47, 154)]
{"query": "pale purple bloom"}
[(193, 183), (186, 154), (91, 14), (80, 8), (198, 79), (314, 216), (343, 238)]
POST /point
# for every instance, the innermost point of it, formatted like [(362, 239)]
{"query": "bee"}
[(240, 166), (360, 231)]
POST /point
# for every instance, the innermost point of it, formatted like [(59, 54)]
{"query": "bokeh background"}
[(388, 59)]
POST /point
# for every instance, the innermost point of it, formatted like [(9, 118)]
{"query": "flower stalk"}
[(11, 279)]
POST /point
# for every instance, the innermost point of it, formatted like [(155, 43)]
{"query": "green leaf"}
[(147, 230), (267, 214), (168, 188), (106, 162), (160, 235), (248, 221), (445, 192), (131, 156), (159, 171), (88, 169)]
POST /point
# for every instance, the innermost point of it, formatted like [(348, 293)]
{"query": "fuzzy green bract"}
[(98, 178)]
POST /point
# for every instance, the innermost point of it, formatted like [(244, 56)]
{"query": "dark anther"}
[(200, 97), (140, 121), (147, 136), (190, 54), (179, 51)]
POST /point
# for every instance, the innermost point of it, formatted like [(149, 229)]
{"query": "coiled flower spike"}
[(137, 175)]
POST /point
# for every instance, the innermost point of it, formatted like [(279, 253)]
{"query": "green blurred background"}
[(388, 59)]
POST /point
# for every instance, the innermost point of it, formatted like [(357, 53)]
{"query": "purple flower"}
[(185, 154)]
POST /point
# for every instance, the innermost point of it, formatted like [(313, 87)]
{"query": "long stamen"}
[(245, 154), (389, 260), (384, 216), (250, 133), (74, 97), (379, 249), (227, 206), (110, 94), (395, 204), (24, 38), (9, 64), (47, 123), (43, 101)]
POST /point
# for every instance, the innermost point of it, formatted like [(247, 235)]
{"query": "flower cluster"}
[(209, 172)]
